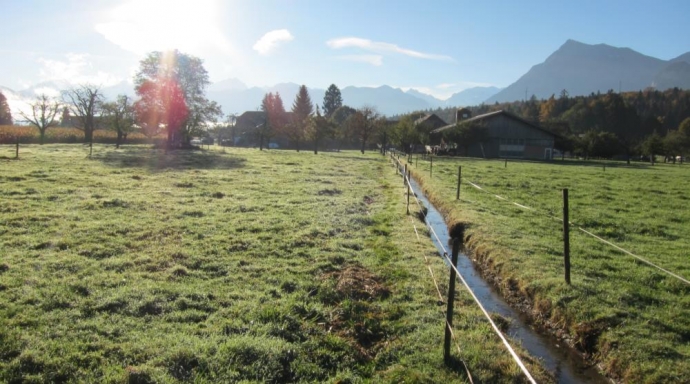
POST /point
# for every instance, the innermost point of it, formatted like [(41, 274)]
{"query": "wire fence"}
[(399, 166), (583, 230), (577, 226)]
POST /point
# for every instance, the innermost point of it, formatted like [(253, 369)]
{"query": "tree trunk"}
[(364, 145), (261, 142), (88, 135), (316, 147), (43, 135), (119, 139)]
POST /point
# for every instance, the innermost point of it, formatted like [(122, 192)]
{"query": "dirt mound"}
[(357, 283)]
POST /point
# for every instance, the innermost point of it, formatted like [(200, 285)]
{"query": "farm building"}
[(428, 123), (509, 136)]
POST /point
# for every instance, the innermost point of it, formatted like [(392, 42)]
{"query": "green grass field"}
[(212, 266), (631, 318)]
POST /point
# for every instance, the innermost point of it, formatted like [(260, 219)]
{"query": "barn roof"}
[(428, 117), (491, 115)]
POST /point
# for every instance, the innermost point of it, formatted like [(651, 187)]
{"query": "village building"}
[(509, 136)]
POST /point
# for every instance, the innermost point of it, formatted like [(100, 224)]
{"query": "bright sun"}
[(144, 26)]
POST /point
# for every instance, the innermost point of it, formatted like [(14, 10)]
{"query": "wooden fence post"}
[(16, 153), (90, 148), (416, 158), (408, 191), (403, 175), (431, 166), (451, 300), (566, 236), (457, 194)]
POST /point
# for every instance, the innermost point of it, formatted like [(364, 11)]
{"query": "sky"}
[(436, 47)]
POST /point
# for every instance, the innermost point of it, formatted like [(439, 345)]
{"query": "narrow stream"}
[(566, 365)]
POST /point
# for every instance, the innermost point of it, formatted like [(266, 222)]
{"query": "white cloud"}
[(76, 68), (143, 26), (380, 47), (270, 41), (375, 60)]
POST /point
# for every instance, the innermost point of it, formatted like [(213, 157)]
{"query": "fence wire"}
[(510, 349), (583, 230)]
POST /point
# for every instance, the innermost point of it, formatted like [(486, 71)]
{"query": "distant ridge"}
[(582, 69)]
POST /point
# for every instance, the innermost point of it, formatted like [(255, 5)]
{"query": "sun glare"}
[(143, 26)]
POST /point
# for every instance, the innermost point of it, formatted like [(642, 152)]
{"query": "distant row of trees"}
[(602, 125), (306, 123), (171, 98)]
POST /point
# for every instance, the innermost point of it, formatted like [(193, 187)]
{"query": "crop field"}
[(230, 266), (631, 318), (9, 134)]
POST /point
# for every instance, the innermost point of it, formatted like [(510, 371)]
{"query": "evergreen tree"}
[(5, 113), (332, 100), (302, 107)]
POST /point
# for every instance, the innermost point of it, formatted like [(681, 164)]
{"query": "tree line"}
[(605, 125), (170, 87), (305, 123)]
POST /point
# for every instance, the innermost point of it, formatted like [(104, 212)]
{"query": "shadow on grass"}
[(158, 160)]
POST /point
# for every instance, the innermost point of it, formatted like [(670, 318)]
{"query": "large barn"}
[(509, 136)]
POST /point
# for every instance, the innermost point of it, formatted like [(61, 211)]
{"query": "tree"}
[(172, 88), (332, 100), (275, 117), (317, 129), (65, 119), (302, 109), (5, 113), (652, 146), (364, 124), (85, 103), (162, 106), (341, 128), (684, 127), (119, 116), (467, 133), (675, 144), (404, 134), (43, 113)]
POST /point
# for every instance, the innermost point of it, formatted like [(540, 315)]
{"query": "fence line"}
[(510, 349), (580, 228)]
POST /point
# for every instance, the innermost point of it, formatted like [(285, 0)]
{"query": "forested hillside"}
[(617, 123)]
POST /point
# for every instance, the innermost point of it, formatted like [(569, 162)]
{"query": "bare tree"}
[(119, 116), (43, 113), (364, 124), (85, 103)]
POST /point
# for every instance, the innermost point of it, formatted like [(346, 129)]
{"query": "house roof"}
[(428, 117), (491, 115)]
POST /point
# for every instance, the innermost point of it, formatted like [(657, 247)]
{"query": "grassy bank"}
[(632, 319), (210, 266)]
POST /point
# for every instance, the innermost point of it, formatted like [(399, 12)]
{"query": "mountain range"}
[(582, 69), (576, 67)]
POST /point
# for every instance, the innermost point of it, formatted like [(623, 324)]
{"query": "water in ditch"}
[(566, 365)]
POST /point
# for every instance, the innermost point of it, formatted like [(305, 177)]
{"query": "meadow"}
[(630, 318), (232, 265)]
